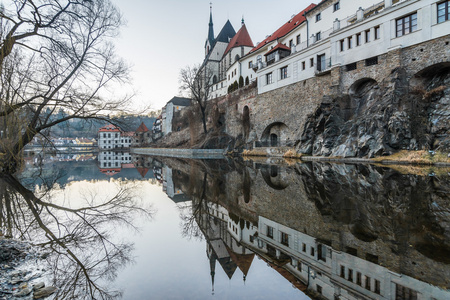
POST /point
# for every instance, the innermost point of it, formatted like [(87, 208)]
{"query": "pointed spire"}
[(242, 22), (211, 28), (212, 266)]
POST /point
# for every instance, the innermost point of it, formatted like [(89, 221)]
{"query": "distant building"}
[(157, 128), (174, 105), (142, 136), (112, 162), (112, 137)]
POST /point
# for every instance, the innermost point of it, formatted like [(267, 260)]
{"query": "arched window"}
[(214, 79), (236, 57)]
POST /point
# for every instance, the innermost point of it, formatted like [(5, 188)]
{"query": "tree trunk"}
[(203, 118)]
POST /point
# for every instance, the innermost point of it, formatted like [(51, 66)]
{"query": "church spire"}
[(211, 29)]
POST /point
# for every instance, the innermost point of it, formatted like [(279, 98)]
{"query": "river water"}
[(139, 227)]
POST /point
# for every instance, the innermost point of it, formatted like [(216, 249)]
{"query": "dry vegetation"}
[(419, 170), (255, 152), (291, 153), (415, 157)]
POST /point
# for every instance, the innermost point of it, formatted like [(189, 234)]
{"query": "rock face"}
[(376, 119)]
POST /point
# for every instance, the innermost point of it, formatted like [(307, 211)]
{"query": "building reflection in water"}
[(333, 231)]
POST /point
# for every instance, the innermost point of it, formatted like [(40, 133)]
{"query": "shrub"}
[(241, 81), (247, 81)]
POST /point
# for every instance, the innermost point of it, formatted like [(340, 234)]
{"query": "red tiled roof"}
[(142, 171), (241, 38), (142, 128), (286, 28), (128, 133), (109, 128), (278, 46)]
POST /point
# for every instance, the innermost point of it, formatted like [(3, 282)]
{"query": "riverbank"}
[(21, 271), (404, 157)]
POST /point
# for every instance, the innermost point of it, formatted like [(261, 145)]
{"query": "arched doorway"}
[(275, 135)]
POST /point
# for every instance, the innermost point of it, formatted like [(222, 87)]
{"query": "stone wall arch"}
[(275, 135), (271, 175)]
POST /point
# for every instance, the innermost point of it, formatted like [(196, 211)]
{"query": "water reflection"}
[(336, 231), (77, 231)]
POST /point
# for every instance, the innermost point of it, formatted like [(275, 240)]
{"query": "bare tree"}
[(83, 253), (55, 54), (197, 81)]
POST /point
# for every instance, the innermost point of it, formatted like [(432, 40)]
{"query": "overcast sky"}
[(161, 37)]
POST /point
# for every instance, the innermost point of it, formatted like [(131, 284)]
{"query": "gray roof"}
[(180, 101), (226, 34)]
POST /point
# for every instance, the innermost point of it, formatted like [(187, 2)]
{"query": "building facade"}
[(112, 137)]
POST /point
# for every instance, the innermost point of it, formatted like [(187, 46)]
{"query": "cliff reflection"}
[(333, 231), (78, 234)]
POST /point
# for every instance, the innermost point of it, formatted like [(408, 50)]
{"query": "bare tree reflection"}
[(84, 257), (192, 215)]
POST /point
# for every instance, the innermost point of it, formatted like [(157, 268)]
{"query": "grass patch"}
[(421, 157), (254, 153), (292, 154), (419, 170)]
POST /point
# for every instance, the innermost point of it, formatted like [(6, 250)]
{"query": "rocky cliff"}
[(376, 119)]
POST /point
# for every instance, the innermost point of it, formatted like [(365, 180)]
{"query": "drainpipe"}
[(307, 30)]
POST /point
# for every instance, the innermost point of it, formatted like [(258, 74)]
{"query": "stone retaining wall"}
[(184, 153)]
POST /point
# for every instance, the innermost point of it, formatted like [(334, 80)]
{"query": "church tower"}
[(210, 41)]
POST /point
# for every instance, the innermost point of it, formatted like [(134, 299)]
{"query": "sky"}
[(162, 37)]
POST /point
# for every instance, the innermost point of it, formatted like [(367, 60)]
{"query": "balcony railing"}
[(323, 68)]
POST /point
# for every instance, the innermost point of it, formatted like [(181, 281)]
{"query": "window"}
[(443, 11), (250, 64), (350, 67), (303, 247), (367, 35), (299, 266), (406, 24), (377, 32), (404, 293), (321, 63), (336, 6), (342, 272), (284, 238), (311, 62), (318, 36), (298, 39), (377, 287), (372, 61), (312, 251), (270, 229), (318, 17), (350, 42), (319, 289), (341, 45), (350, 275), (284, 72), (303, 65), (269, 78), (321, 252), (358, 39), (291, 43), (358, 278), (367, 285)]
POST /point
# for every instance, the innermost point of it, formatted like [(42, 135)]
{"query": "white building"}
[(333, 273), (344, 32), (112, 162), (112, 137), (174, 105)]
